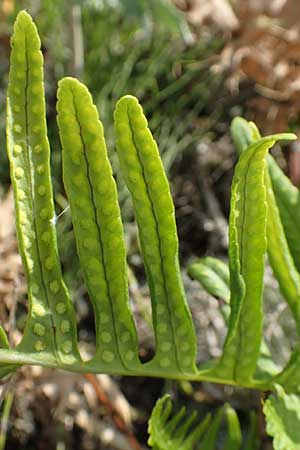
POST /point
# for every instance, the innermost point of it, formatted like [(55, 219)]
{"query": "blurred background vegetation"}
[(194, 65)]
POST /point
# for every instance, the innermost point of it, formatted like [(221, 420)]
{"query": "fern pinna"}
[(261, 200)]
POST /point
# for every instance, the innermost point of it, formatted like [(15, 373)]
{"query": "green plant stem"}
[(5, 417), (18, 358)]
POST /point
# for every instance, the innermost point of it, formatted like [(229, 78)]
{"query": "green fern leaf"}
[(154, 210), (213, 274), (97, 224), (280, 257), (177, 432), (247, 236), (50, 337), (234, 434), (209, 441), (278, 250), (287, 195), (252, 438), (282, 413), (287, 198), (51, 326)]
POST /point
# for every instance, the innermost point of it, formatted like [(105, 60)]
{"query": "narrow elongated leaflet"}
[(234, 434), (97, 224), (287, 197), (210, 439), (213, 274), (288, 201), (248, 220), (252, 437), (154, 210), (219, 267), (51, 321), (284, 211), (280, 257), (278, 249)]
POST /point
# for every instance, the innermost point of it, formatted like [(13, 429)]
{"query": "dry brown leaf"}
[(265, 53), (217, 12)]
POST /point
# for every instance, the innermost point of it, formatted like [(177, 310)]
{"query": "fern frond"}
[(180, 431), (50, 337), (176, 432)]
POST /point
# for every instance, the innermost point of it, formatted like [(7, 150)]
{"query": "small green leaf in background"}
[(175, 433), (4, 425), (282, 413), (160, 12), (178, 431), (287, 197), (252, 438), (213, 274), (234, 436), (210, 439)]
